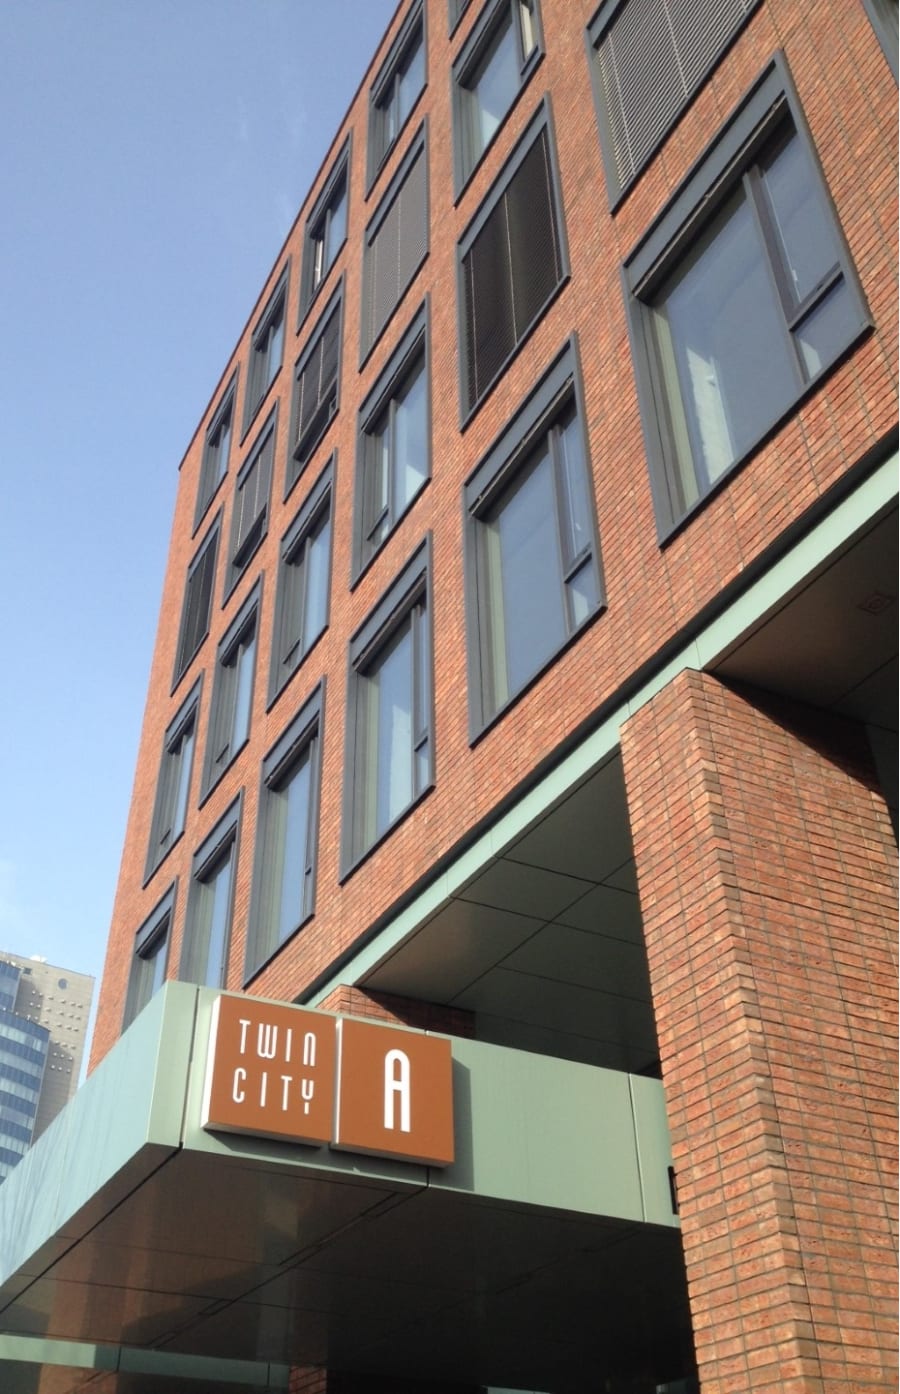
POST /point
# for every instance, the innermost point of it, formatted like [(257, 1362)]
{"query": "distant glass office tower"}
[(43, 1027)]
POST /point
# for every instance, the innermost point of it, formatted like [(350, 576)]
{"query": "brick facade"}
[(766, 866), (761, 842)]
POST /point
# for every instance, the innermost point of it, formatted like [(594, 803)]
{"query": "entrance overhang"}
[(548, 1246)]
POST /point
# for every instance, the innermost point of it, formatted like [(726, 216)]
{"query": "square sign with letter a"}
[(395, 1096)]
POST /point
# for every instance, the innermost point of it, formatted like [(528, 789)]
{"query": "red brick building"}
[(526, 673)]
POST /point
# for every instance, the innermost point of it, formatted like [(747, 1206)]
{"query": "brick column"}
[(400, 1011), (766, 870)]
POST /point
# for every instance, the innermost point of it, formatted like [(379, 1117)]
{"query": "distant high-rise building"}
[(43, 1027)]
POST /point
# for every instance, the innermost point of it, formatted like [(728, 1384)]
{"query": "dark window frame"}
[(370, 332), (455, 11), (313, 278), (318, 503), (885, 27), (191, 632), (597, 31), (408, 600), (220, 846), (412, 33), (247, 537), (540, 126), (155, 934), (213, 469), (261, 373), (301, 740), (224, 740), (301, 449), (770, 107), (478, 41), (509, 457), (414, 345), (166, 821)]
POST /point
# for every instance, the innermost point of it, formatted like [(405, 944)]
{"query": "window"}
[(316, 387), (229, 720), (204, 953), (148, 963), (531, 543), (457, 10), (736, 316), (266, 350), (396, 243), (326, 230), (215, 452), (884, 20), (396, 89), (173, 785), (250, 515), (197, 600), (393, 460), (511, 263), (301, 607), (651, 58), (389, 745), (499, 55), (284, 875)]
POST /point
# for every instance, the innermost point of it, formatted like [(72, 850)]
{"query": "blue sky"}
[(155, 154)]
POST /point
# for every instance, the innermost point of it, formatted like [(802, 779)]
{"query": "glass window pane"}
[(721, 337), (582, 593), (294, 798), (575, 510), (243, 692), (185, 756), (337, 225), (409, 443), (276, 345), (390, 693), (216, 893), (827, 329), (410, 81), (529, 588), (493, 86), (801, 218), (316, 582)]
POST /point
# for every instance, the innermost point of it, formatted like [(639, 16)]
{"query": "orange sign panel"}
[(271, 1070), (395, 1097)]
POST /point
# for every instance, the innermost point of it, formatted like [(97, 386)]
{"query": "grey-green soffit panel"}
[(29, 1351), (122, 1123), (530, 1131), (701, 650)]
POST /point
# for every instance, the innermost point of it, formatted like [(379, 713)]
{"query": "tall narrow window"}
[(229, 722), (316, 386), (511, 263), (495, 62), (390, 756), (266, 350), (284, 875), (250, 517), (174, 782), (148, 964), (326, 230), (736, 320), (396, 243), (396, 88), (204, 953), (532, 544), (394, 445), (652, 56), (301, 607), (197, 599), (216, 450)]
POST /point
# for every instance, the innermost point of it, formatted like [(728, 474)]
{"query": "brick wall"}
[(849, 97), (766, 870)]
